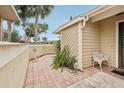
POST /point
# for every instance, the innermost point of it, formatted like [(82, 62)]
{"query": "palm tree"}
[(29, 30), (40, 11), (43, 28), (25, 12)]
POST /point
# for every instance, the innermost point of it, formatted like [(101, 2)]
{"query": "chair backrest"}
[(99, 57), (95, 55), (106, 57)]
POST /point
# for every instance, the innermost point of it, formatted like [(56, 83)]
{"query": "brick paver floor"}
[(41, 75)]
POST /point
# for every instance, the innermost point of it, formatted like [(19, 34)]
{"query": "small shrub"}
[(71, 61), (15, 37), (57, 44), (63, 59)]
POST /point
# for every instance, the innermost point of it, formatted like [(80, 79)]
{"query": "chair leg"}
[(108, 63), (100, 64), (93, 63)]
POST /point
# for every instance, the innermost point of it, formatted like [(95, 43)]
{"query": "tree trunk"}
[(29, 38), (9, 30), (36, 28)]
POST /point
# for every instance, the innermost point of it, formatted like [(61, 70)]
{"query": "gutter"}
[(86, 18)]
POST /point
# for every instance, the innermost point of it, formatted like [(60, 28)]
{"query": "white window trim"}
[(116, 40)]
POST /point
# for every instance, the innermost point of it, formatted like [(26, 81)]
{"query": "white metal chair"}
[(100, 58)]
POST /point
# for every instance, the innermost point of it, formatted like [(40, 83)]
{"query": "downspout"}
[(85, 20), (81, 26)]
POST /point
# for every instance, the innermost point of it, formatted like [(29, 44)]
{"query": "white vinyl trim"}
[(69, 23), (116, 35), (98, 10), (80, 59)]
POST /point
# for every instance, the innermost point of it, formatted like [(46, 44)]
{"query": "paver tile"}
[(40, 74)]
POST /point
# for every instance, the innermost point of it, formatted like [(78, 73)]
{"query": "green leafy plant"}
[(15, 37), (58, 45), (63, 59), (71, 62)]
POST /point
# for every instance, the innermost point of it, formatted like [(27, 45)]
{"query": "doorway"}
[(121, 45)]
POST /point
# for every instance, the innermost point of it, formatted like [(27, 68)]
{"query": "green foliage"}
[(63, 59), (15, 37), (36, 11), (5, 36), (71, 61), (42, 28), (42, 10), (57, 44), (24, 12), (38, 38), (44, 39), (29, 30)]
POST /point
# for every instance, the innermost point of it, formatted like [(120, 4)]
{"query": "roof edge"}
[(99, 9), (93, 12), (69, 23), (16, 14)]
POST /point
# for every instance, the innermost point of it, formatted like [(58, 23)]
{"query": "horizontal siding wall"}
[(108, 37), (91, 42), (97, 37), (69, 37)]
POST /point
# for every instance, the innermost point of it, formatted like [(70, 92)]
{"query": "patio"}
[(100, 80), (41, 75)]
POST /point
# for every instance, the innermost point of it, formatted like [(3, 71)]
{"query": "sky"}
[(59, 15)]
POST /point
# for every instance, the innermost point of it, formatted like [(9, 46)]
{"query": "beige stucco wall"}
[(69, 37), (91, 42), (13, 65), (14, 60), (41, 50)]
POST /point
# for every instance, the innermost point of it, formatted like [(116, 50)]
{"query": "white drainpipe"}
[(84, 21), (80, 45)]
